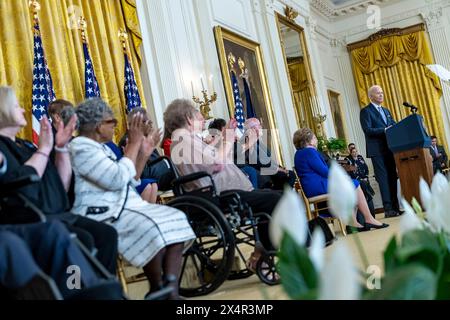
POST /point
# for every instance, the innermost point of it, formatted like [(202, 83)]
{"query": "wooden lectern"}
[(409, 142)]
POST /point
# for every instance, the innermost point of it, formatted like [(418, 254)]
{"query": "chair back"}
[(298, 187)]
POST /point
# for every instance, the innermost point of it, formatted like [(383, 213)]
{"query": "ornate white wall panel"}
[(234, 15)]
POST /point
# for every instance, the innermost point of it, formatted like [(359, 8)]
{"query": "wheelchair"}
[(222, 223)]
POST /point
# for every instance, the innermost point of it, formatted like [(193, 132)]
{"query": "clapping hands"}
[(65, 132), (46, 138), (150, 141)]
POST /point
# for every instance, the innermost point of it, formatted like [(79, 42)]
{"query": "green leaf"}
[(390, 260), (298, 275), (421, 246), (410, 282), (443, 291)]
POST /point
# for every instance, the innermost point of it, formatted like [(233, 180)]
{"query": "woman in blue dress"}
[(313, 173)]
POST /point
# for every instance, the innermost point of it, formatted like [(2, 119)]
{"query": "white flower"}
[(316, 252), (339, 277), (289, 215), (437, 204), (342, 193), (409, 220), (440, 183), (425, 193)]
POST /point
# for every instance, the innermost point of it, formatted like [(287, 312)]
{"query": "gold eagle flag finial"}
[(231, 60), (123, 36), (82, 25), (35, 7)]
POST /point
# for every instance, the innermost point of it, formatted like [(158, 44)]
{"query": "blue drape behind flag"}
[(248, 99), (91, 87), (238, 107), (42, 92), (132, 97)]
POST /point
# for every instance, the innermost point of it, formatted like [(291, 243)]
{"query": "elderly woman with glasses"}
[(150, 236)]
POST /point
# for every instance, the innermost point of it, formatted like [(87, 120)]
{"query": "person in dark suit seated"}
[(49, 195), (270, 174), (360, 172), (375, 120), (313, 173), (440, 159)]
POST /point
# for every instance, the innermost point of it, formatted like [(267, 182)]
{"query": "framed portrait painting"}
[(338, 115), (242, 59)]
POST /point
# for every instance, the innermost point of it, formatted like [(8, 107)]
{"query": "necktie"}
[(380, 110), (435, 150)]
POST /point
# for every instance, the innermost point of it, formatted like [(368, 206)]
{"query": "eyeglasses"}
[(110, 121)]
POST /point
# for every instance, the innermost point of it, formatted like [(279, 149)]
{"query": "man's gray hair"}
[(66, 114), (369, 92), (91, 113)]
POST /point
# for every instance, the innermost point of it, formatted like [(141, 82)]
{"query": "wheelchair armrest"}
[(192, 177), (162, 158)]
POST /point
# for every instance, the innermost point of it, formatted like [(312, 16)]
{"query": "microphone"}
[(408, 105), (411, 106)]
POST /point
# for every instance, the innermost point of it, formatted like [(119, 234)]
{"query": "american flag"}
[(133, 99), (42, 93), (238, 106), (90, 81), (248, 98)]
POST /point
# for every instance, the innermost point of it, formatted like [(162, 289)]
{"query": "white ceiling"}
[(340, 8), (342, 2)]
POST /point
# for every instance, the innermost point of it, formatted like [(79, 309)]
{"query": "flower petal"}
[(409, 220), (425, 193), (340, 278), (439, 184), (342, 193), (316, 252), (289, 216)]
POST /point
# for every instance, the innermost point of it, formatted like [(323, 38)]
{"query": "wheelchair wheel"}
[(207, 263), (266, 269)]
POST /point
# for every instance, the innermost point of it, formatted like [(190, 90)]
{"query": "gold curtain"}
[(302, 92), (64, 52), (398, 64), (132, 23)]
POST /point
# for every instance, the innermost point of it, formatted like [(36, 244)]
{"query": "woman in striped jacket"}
[(150, 236)]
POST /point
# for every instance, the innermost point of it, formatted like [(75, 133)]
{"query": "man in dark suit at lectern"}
[(375, 120)]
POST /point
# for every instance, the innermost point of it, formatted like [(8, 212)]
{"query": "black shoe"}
[(352, 229), (374, 226), (391, 214)]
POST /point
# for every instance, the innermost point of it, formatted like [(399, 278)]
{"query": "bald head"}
[(376, 94), (252, 123)]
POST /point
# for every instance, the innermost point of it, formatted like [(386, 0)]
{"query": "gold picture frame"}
[(338, 116), (250, 53)]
